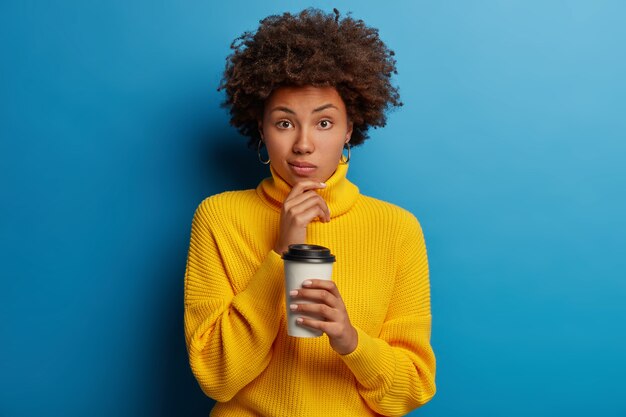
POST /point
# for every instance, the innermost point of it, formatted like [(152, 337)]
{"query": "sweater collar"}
[(340, 194)]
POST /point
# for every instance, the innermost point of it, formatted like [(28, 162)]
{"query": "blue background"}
[(510, 150)]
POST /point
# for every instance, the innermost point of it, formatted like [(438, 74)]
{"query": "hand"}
[(330, 307), (301, 206)]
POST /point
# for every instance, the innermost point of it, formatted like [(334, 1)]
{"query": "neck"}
[(340, 194)]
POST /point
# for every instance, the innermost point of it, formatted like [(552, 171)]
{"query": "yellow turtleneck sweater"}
[(235, 331)]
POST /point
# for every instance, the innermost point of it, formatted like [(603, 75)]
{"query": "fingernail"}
[(323, 184), (293, 307), (299, 319), (293, 293), (306, 283)]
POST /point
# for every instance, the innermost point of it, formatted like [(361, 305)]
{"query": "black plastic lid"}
[(309, 253)]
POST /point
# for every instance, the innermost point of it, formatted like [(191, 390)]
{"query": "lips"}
[(302, 168), (301, 164)]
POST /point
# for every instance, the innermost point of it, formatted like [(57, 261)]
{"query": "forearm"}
[(396, 378), (229, 339)]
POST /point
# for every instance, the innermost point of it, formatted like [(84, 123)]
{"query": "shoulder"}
[(228, 198), (393, 226), (380, 210), (219, 205)]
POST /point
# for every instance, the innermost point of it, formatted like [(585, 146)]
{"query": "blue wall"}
[(510, 150)]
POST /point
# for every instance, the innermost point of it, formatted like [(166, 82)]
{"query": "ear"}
[(260, 124), (349, 132)]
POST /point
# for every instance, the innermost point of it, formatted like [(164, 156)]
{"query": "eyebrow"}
[(324, 107), (316, 110)]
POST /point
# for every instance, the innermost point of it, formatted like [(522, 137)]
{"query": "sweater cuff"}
[(262, 296), (370, 359)]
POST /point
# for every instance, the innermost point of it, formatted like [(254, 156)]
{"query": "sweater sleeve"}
[(229, 336), (396, 370)]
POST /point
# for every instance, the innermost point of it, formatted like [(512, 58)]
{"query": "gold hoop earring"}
[(344, 160), (258, 151)]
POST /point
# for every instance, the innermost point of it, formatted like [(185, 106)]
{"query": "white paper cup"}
[(304, 262)]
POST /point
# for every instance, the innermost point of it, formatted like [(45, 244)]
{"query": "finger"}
[(295, 210), (319, 310), (307, 216), (324, 326), (301, 198), (317, 296), (302, 186), (324, 284), (307, 196)]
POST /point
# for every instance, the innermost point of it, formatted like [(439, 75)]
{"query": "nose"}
[(304, 142)]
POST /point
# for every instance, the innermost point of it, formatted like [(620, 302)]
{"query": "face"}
[(304, 130)]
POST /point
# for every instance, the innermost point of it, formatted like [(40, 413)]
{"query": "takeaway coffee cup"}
[(304, 262)]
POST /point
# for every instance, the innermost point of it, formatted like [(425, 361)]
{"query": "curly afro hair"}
[(310, 48)]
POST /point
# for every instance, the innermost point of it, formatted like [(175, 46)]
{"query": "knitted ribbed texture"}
[(237, 342)]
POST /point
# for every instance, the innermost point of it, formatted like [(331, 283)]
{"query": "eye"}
[(325, 124), (283, 124)]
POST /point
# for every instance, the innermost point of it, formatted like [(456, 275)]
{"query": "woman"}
[(306, 87)]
